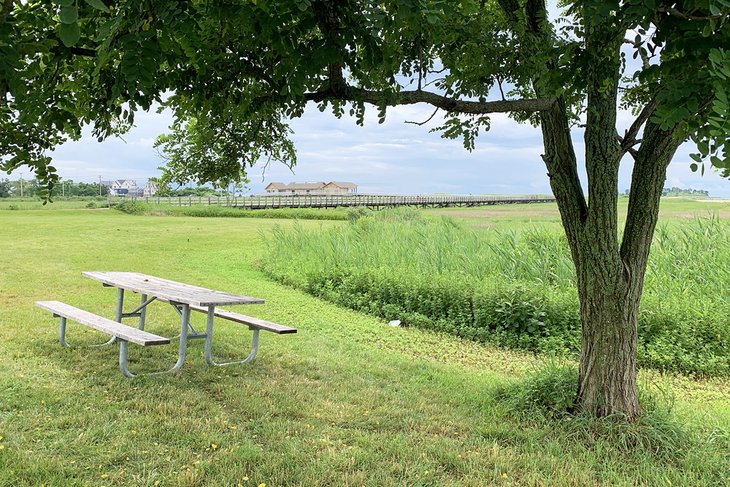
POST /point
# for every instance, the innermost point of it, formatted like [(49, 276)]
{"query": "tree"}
[(5, 188), (250, 64), (219, 154)]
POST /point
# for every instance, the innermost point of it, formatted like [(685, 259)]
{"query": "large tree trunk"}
[(609, 272), (608, 312)]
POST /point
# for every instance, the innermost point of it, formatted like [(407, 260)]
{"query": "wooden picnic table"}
[(184, 298)]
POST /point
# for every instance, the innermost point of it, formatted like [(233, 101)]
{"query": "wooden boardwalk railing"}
[(333, 201)]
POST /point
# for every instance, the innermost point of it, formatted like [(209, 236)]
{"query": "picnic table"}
[(184, 298)]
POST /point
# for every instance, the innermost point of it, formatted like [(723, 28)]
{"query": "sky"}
[(390, 158)]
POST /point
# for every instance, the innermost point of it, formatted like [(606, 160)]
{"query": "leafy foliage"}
[(198, 151), (246, 65)]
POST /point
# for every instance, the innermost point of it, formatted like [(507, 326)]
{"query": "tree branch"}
[(644, 58), (447, 104), (425, 121), (629, 138), (681, 15), (82, 51)]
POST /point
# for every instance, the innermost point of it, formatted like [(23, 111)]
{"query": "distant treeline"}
[(675, 191), (68, 188), (29, 187)]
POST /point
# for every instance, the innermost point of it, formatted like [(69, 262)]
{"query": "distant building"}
[(318, 188), (123, 187), (340, 187), (150, 189)]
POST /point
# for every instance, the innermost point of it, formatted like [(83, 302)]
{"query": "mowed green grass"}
[(546, 214), (346, 401)]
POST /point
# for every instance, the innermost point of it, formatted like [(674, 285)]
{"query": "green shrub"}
[(132, 207), (549, 391), (356, 213)]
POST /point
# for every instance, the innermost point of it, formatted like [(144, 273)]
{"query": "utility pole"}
[(21, 185), (99, 185)]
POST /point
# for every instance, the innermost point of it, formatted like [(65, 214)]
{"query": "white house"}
[(123, 187), (150, 189)]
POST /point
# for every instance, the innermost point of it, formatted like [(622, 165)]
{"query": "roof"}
[(309, 186), (121, 182), (343, 184)]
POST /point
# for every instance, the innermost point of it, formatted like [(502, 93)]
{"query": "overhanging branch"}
[(382, 98)]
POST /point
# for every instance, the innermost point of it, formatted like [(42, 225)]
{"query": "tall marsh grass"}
[(513, 288)]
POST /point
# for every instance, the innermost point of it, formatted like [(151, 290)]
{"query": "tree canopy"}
[(253, 65)]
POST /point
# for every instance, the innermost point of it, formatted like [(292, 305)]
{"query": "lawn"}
[(346, 401)]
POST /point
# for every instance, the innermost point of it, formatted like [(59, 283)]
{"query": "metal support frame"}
[(62, 331), (209, 343), (192, 332), (118, 315), (182, 349)]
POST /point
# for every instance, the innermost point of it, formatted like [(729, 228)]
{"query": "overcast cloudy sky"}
[(394, 157)]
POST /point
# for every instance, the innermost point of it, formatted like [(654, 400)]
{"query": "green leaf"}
[(69, 34), (98, 4), (63, 3), (69, 15), (693, 167)]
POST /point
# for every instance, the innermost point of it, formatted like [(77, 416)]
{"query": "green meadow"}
[(347, 401)]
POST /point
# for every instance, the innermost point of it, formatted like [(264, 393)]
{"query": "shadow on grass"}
[(546, 398)]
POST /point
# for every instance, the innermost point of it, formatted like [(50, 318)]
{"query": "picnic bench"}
[(184, 298)]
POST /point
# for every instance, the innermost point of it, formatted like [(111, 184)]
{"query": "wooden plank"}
[(140, 337), (248, 320), (170, 290)]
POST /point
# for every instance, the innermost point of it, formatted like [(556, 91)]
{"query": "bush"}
[(355, 214), (132, 207), (549, 391)]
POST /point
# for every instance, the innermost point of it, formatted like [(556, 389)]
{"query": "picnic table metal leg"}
[(192, 332), (142, 311), (62, 331), (124, 347), (117, 316), (123, 351), (184, 324), (209, 343)]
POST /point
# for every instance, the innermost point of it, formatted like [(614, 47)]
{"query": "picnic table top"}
[(167, 290)]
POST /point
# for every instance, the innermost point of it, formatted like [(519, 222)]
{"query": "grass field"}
[(346, 401)]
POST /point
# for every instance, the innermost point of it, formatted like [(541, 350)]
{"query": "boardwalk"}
[(368, 201)]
